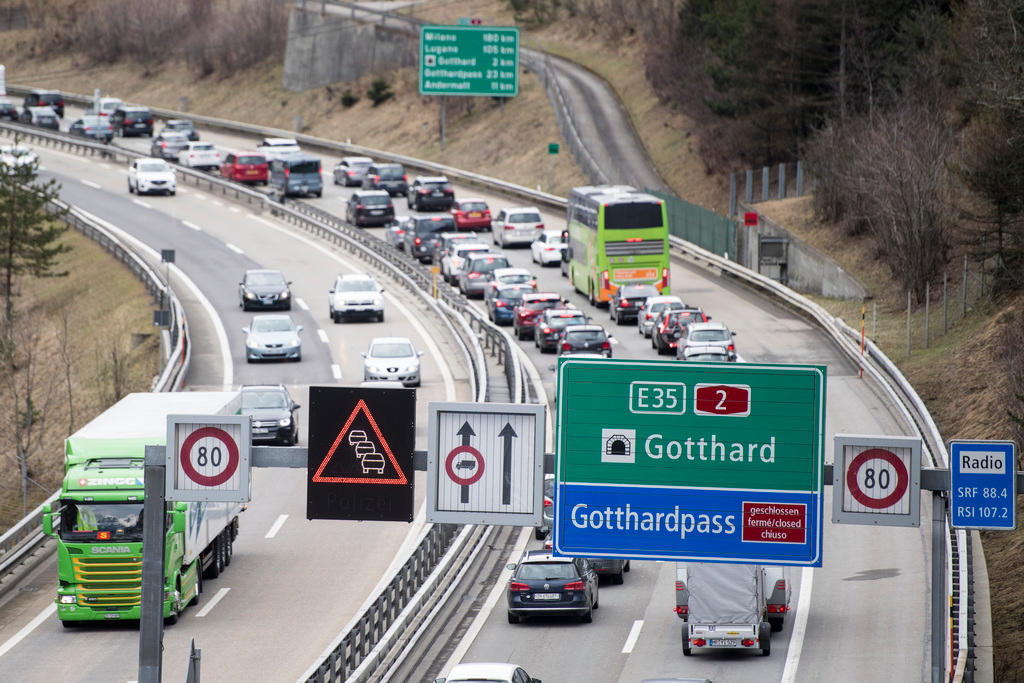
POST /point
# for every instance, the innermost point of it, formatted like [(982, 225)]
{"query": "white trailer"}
[(726, 608)]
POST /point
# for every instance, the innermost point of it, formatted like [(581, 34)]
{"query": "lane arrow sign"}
[(465, 431), (507, 434)]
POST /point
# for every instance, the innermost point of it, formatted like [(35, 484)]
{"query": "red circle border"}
[(186, 462), (464, 481), (902, 478)]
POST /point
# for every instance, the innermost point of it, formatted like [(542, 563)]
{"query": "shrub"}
[(379, 91), (348, 98)]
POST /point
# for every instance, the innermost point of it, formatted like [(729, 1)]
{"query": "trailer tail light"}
[(748, 642), (574, 586), (548, 502), (698, 642), (517, 587), (777, 609)]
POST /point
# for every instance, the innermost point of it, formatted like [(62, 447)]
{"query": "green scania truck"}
[(98, 519)]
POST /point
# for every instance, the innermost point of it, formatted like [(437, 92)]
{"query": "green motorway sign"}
[(708, 461), (469, 60)]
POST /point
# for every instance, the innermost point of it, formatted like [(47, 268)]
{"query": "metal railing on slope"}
[(18, 542)]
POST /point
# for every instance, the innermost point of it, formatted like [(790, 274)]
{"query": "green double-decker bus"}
[(617, 236)]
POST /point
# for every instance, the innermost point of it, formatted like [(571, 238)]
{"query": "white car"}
[(511, 276), (451, 262), (201, 155), (652, 307), (17, 155), (151, 176), (518, 225), (277, 148), (106, 108), (547, 248), (356, 294), (491, 673), (393, 359), (704, 335)]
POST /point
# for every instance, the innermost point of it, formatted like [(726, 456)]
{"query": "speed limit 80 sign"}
[(208, 458), (876, 480)]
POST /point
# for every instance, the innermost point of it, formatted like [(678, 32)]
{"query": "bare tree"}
[(67, 362)]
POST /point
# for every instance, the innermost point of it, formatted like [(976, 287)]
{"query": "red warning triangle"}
[(399, 479)]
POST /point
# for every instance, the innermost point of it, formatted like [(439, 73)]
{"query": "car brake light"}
[(574, 586), (540, 226), (457, 212), (606, 345), (473, 276), (128, 122), (150, 121), (566, 346), (359, 207), (624, 303), (376, 178), (499, 304), (509, 227), (418, 241), (286, 172), (547, 330), (162, 144), (732, 347), (648, 316), (424, 190), (516, 586), (405, 177)]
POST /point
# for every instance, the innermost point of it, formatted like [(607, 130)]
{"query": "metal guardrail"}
[(22, 539)]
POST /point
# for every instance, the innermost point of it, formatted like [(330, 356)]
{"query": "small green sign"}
[(469, 60), (552, 148)]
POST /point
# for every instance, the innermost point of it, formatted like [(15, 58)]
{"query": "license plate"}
[(547, 596), (475, 214), (252, 171), (377, 212), (723, 642), (436, 194), (260, 430), (112, 615)]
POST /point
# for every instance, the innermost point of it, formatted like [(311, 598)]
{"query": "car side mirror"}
[(419, 353), (511, 566), (245, 329), (363, 354), (331, 292), (733, 333), (610, 335), (298, 329), (296, 406)]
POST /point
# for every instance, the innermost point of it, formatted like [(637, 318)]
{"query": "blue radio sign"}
[(983, 484)]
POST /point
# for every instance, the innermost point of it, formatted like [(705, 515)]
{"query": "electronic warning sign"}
[(361, 443)]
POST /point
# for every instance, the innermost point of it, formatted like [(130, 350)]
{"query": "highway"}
[(872, 591)]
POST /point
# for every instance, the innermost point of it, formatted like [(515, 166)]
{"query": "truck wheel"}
[(229, 547), (217, 565), (764, 639)]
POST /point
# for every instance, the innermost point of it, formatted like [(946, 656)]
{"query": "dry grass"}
[(101, 320)]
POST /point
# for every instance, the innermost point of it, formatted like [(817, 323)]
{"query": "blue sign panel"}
[(983, 484), (669, 523)]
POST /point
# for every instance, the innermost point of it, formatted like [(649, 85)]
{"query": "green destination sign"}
[(693, 425), (469, 60)]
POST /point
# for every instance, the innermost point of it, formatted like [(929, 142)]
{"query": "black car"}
[(167, 144), (550, 325), (46, 98), (421, 233), (627, 300), (8, 110), (128, 120), (585, 339), (369, 207), (390, 177), (502, 300), (273, 413), (182, 126), (671, 325), (92, 128), (431, 192), (545, 585), (264, 289)]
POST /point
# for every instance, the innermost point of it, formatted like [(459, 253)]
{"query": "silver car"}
[(351, 170), (393, 359), (272, 337), (648, 313), (395, 233), (705, 335), (356, 295), (521, 225)]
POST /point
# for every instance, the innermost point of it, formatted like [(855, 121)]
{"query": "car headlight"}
[(412, 368), (285, 294), (296, 341), (251, 343), (250, 295), (375, 369), (376, 301), (284, 421)]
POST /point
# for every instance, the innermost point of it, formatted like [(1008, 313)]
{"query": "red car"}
[(526, 313), (245, 167), (471, 214)]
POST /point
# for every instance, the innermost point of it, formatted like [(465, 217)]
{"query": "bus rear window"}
[(635, 215)]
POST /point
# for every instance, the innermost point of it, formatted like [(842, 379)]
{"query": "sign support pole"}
[(442, 122), (151, 621), (938, 586)]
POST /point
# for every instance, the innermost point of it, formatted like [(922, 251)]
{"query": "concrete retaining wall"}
[(807, 269), (328, 48)]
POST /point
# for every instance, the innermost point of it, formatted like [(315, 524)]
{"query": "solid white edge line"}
[(302, 303), (233, 248), (210, 605), (634, 635), (91, 184), (189, 224), (336, 370), (217, 203), (228, 370), (796, 641), (323, 335), (492, 599), (428, 341), (28, 628), (276, 526)]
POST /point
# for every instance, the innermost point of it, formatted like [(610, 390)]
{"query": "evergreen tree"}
[(28, 231)]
